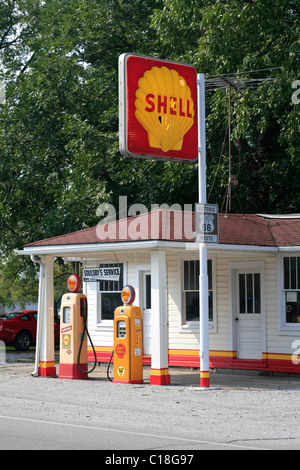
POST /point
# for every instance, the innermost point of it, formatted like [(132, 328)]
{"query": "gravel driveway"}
[(246, 411)]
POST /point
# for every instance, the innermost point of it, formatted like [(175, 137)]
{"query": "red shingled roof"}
[(234, 229), (286, 232), (250, 229)]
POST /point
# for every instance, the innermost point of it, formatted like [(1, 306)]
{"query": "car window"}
[(9, 315), (25, 317), (35, 315)]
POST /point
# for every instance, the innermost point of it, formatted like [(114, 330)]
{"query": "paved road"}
[(245, 412)]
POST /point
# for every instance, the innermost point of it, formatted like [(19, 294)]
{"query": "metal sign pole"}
[(203, 279)]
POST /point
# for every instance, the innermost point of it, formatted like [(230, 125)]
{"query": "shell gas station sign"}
[(162, 116), (158, 109)]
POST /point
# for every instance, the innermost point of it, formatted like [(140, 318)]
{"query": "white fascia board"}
[(289, 248), (224, 247), (280, 216), (61, 250), (215, 246)]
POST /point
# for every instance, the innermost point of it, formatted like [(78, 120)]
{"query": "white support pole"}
[(203, 279), (159, 355), (47, 359), (39, 318)]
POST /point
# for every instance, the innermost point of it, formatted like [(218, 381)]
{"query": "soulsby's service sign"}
[(157, 109)]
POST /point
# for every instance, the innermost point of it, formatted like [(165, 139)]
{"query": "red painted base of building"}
[(72, 371), (270, 362)]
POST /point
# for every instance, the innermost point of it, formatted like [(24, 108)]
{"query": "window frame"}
[(193, 325), (284, 327), (100, 321)]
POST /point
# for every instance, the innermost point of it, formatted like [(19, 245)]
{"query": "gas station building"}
[(253, 290)]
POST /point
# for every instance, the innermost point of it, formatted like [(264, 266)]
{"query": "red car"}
[(19, 329)]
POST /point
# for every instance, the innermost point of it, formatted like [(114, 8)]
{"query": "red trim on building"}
[(272, 362)]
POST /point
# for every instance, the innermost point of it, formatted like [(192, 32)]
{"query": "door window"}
[(249, 293)]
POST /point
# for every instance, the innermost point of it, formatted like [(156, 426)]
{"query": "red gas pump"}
[(74, 333)]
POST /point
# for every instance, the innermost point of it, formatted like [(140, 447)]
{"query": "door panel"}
[(248, 314)]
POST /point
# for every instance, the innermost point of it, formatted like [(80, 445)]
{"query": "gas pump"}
[(128, 340), (74, 333)]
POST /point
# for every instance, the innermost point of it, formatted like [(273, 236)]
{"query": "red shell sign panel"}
[(158, 109)]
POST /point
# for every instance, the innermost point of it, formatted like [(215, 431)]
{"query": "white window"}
[(291, 288), (190, 297), (110, 294)]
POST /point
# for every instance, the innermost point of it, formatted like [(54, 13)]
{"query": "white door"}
[(248, 314), (146, 310)]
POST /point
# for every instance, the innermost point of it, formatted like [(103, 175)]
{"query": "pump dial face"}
[(74, 283), (128, 295)]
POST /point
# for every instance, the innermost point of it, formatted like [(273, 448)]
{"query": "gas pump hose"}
[(109, 363), (81, 343)]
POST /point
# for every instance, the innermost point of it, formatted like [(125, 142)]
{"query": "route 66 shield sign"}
[(206, 218)]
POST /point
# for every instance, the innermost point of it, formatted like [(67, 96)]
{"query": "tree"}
[(240, 37), (59, 157), (58, 128)]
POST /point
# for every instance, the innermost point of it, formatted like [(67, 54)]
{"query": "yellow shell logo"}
[(164, 108)]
